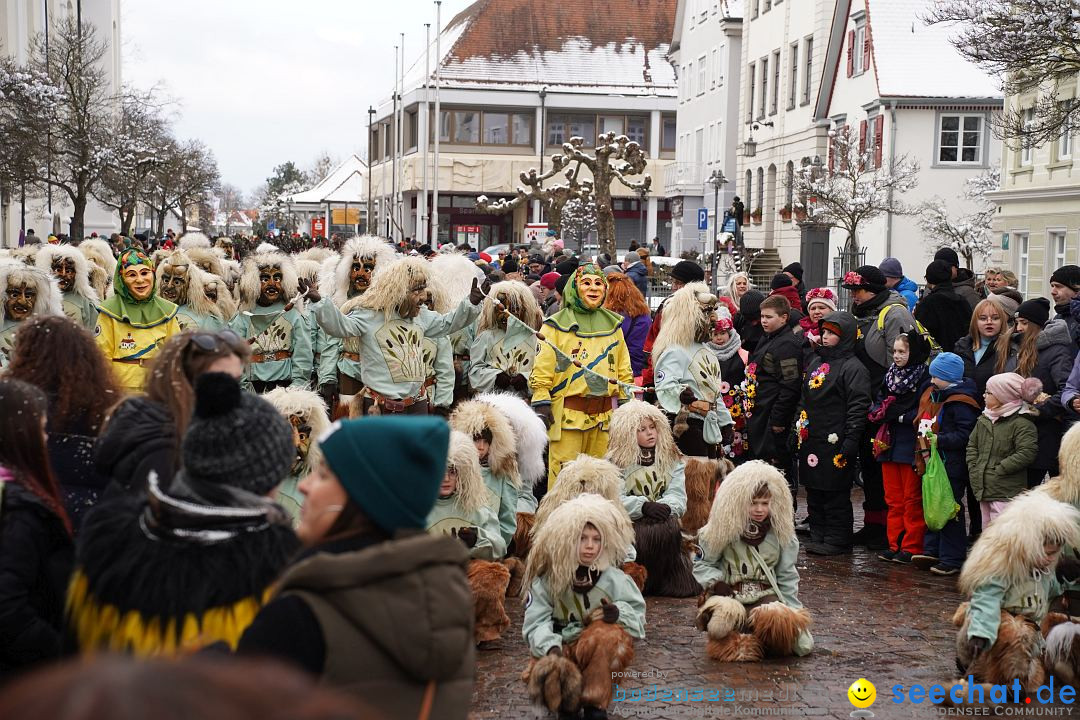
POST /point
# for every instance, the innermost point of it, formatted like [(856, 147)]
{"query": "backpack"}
[(935, 348)]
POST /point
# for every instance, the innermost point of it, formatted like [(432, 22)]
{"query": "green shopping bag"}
[(939, 505)]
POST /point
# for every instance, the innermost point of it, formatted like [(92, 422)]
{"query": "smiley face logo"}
[(862, 693)]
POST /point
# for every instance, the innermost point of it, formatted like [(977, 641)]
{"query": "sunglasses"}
[(211, 342)]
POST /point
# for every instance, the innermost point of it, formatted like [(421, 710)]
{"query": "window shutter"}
[(850, 53), (832, 154), (862, 137), (879, 128), (866, 48)]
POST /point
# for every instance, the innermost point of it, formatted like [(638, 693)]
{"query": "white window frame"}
[(764, 87), (1023, 240), (751, 73), (980, 160), (1064, 141), (1027, 152), (715, 68), (793, 78), (871, 124), (1057, 240), (857, 50), (808, 63), (774, 104), (703, 75)]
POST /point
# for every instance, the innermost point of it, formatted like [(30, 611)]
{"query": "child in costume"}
[(1010, 581), (751, 606), (1003, 444), (462, 510), (576, 410), (654, 495), (894, 446), (306, 413), (582, 612), (835, 400)]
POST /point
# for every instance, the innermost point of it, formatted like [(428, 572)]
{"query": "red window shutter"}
[(850, 53), (862, 140), (832, 154), (866, 50), (879, 128)]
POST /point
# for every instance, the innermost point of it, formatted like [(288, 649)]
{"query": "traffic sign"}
[(703, 219)]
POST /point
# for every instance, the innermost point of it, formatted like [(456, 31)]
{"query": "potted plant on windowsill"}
[(785, 213), (746, 217), (756, 216)]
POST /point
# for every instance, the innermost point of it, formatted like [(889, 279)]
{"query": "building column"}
[(650, 221), (539, 149), (656, 129)]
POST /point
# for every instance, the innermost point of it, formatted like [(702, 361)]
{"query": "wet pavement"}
[(881, 621)]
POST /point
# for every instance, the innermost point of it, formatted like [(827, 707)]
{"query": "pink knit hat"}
[(822, 295)]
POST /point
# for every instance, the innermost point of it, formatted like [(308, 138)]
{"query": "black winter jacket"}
[(986, 368), (139, 437), (945, 314), (1056, 352), (777, 365)]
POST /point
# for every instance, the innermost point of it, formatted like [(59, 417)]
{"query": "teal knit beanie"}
[(390, 466)]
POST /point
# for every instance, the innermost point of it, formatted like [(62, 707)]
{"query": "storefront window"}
[(466, 127)]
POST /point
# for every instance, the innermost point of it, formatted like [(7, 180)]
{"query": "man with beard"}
[(182, 282), (344, 280), (27, 291), (688, 381), (568, 399), (281, 352), (391, 323), (72, 271)]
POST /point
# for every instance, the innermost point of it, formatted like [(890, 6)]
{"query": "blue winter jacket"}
[(640, 275), (909, 291), (956, 420)]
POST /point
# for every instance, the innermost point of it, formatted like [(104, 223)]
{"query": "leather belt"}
[(269, 357), (397, 406), (355, 357), (141, 362), (588, 405)]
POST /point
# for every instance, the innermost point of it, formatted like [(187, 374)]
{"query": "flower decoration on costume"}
[(817, 378), (735, 411), (725, 386), (802, 427), (839, 461), (811, 460), (858, 333), (833, 438), (853, 278)]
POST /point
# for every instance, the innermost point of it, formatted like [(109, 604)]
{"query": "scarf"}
[(903, 380), (727, 351), (755, 532), (123, 306), (646, 456), (583, 321), (585, 579), (871, 307), (1005, 410)]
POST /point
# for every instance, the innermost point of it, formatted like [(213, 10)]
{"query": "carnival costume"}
[(751, 608), (181, 281), (102, 263), (578, 401), (28, 291), (307, 414), (72, 272), (500, 357)]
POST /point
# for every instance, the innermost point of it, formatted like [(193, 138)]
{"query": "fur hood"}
[(226, 302), (529, 431), (390, 287), (265, 247), (209, 259), (456, 272), (48, 301), (311, 408), (196, 287), (583, 474), (193, 240), (473, 417), (334, 277), (1066, 486), (307, 269), (1010, 547), (682, 315), (518, 300), (472, 494), (249, 279), (731, 506), (102, 262), (623, 449), (554, 553), (83, 287)]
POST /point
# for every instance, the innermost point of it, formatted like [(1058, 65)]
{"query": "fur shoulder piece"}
[(473, 417), (731, 506), (389, 287), (518, 300), (307, 269), (529, 431), (623, 449), (554, 553), (249, 278), (309, 407), (83, 287), (49, 300), (682, 314), (194, 240), (584, 474), (456, 272), (472, 494), (1012, 546)]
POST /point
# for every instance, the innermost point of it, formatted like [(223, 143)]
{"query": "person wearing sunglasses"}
[(143, 432)]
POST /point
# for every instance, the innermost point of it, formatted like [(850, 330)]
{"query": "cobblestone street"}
[(885, 622)]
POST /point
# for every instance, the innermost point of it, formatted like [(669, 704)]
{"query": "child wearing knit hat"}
[(1003, 444)]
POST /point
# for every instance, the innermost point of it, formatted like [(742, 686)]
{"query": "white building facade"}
[(706, 52), (21, 22)]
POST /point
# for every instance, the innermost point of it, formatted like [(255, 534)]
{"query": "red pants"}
[(903, 495)]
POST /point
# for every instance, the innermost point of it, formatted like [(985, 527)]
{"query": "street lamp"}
[(717, 180), (370, 209)]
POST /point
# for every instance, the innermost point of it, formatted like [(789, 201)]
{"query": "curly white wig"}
[(48, 301), (730, 511), (83, 287), (225, 301), (623, 448), (472, 417), (1066, 486), (334, 279), (309, 407), (583, 474), (209, 259), (316, 254), (390, 288), (249, 279), (192, 240), (682, 317), (472, 494), (102, 261)]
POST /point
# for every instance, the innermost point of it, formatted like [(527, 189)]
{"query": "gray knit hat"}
[(236, 438)]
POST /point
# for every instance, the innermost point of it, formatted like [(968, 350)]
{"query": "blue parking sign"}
[(703, 219)]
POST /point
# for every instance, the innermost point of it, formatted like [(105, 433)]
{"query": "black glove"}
[(655, 510), (478, 291), (544, 412), (1068, 569), (977, 646), (727, 434), (555, 651), (519, 383), (611, 612), (722, 589), (503, 381), (304, 286), (329, 392), (440, 410), (687, 396), (468, 536)]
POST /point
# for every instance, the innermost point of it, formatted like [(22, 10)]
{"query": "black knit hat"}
[(1067, 275), (567, 267), (686, 271), (560, 284), (795, 269), (236, 438), (780, 280), (1036, 311), (750, 303), (510, 264), (938, 272), (867, 277), (948, 255)]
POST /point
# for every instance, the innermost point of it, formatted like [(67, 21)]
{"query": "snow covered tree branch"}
[(852, 190), (969, 235)]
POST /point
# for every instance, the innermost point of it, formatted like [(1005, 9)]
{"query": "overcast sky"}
[(265, 81)]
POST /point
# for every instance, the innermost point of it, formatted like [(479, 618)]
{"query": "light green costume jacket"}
[(274, 329), (447, 516), (642, 484)]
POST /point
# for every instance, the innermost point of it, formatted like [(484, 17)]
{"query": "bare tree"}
[(1033, 46), (320, 168), (968, 234), (578, 221), (185, 177), (143, 142), (852, 190)]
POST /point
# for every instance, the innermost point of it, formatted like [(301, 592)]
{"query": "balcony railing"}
[(681, 178)]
